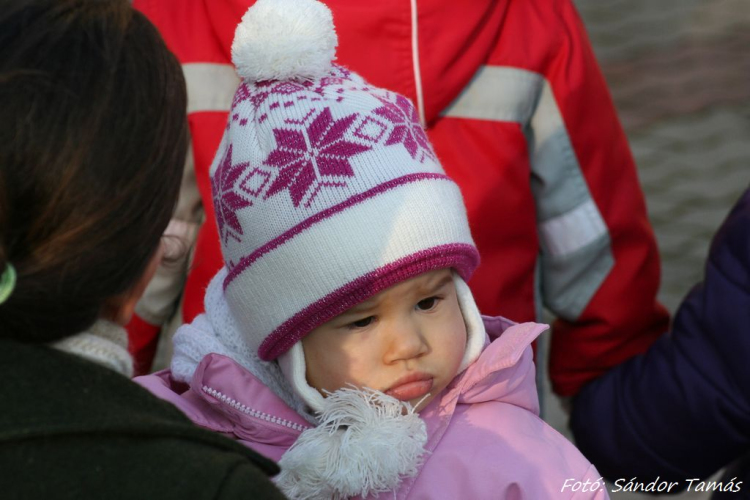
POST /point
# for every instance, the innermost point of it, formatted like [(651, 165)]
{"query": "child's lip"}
[(411, 386)]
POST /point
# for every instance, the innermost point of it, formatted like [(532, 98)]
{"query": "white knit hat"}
[(326, 189)]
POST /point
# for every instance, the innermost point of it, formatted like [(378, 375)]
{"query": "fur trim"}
[(216, 331), (367, 443), (284, 40)]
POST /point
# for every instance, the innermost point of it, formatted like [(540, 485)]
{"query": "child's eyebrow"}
[(433, 286), (359, 309), (426, 288)]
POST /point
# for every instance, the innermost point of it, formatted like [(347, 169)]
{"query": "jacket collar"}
[(251, 411), (504, 372)]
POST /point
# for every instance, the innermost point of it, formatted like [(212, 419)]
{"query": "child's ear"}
[(120, 309)]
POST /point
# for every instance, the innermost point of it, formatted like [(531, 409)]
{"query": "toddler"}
[(340, 338)]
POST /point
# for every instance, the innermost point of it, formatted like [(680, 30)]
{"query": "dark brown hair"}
[(92, 146)]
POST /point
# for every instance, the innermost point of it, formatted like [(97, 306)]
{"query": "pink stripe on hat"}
[(247, 261), (463, 258)]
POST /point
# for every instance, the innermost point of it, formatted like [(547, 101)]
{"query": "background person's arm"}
[(599, 259), (682, 410)]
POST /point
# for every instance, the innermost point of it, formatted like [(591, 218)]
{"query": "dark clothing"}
[(72, 429), (682, 410)]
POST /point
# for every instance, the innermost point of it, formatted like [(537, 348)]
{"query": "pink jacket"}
[(485, 438)]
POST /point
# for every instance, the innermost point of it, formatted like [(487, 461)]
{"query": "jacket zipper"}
[(251, 412)]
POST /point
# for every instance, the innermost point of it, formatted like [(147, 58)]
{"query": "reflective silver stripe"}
[(576, 252), (210, 87), (569, 218), (498, 93), (572, 230)]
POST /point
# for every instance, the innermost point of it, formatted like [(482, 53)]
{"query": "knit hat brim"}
[(356, 250)]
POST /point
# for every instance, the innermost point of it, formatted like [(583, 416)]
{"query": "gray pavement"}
[(679, 73)]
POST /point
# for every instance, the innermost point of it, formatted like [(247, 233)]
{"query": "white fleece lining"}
[(293, 366), (573, 230), (475, 332)]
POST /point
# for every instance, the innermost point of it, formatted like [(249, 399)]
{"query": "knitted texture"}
[(105, 343), (215, 331), (326, 192)]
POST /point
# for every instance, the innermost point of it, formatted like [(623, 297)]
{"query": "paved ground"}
[(679, 72)]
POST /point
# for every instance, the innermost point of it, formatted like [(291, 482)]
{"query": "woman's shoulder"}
[(71, 421), (58, 387)]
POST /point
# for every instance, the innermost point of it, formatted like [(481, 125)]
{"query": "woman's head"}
[(92, 145)]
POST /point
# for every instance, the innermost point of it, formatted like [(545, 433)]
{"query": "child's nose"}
[(406, 341)]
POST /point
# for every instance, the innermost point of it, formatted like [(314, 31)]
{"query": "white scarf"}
[(215, 331), (105, 343)]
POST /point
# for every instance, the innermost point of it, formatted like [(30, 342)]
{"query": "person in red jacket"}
[(513, 100)]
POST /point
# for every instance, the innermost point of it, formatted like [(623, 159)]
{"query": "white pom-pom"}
[(367, 443), (284, 40)]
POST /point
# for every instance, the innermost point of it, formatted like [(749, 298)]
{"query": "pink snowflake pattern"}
[(313, 157), (226, 200), (337, 77), (243, 94), (261, 91), (407, 129)]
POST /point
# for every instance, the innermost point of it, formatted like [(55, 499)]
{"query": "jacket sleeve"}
[(599, 263), (681, 410), (245, 481)]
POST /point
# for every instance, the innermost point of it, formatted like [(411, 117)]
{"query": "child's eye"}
[(362, 322), (428, 303)]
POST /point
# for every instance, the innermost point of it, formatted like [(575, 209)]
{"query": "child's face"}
[(407, 341)]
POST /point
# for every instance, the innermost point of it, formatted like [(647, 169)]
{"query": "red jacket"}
[(519, 116)]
